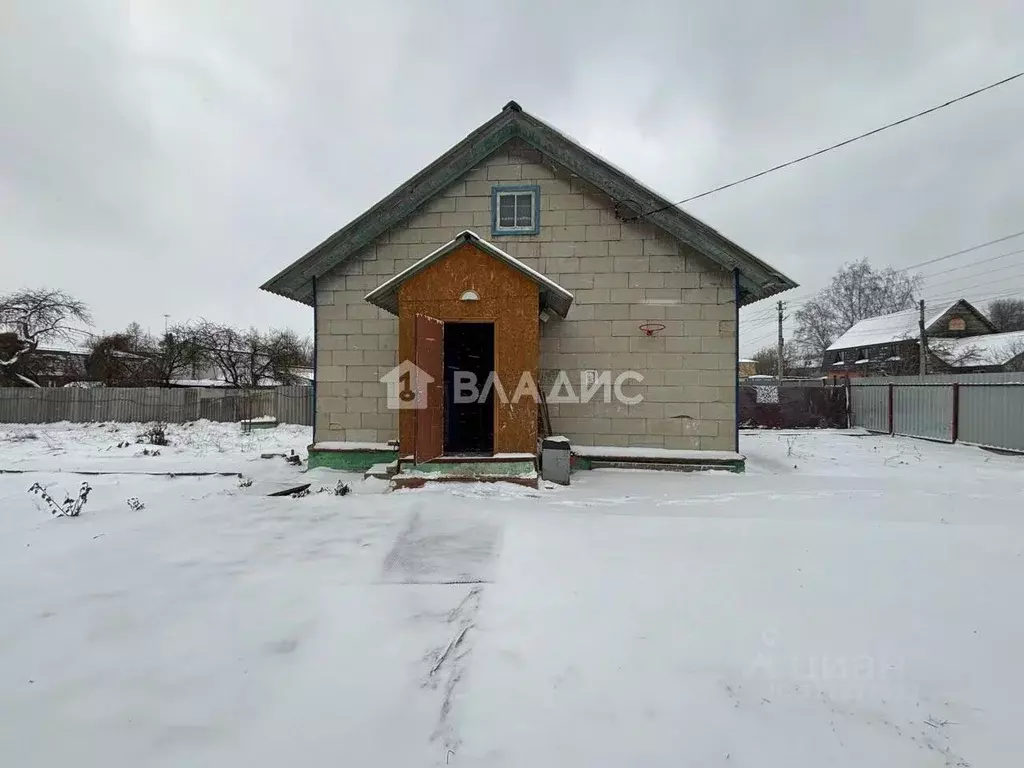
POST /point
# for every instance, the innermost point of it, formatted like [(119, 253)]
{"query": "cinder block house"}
[(517, 252)]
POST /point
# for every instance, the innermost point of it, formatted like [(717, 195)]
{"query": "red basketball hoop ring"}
[(652, 328)]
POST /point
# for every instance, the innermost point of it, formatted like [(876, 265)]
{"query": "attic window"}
[(957, 323), (515, 210)]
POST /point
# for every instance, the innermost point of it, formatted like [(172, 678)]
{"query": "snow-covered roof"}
[(199, 383), (552, 294), (62, 348), (886, 329), (990, 349)]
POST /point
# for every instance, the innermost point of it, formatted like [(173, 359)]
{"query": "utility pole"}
[(923, 366), (780, 369)]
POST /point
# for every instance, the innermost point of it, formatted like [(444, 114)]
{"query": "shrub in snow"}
[(147, 452), (71, 507), (341, 489), (245, 482), (20, 437), (135, 505), (155, 435)]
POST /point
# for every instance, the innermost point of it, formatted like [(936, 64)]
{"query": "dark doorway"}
[(469, 426)]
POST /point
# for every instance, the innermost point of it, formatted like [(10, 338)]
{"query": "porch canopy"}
[(553, 297)]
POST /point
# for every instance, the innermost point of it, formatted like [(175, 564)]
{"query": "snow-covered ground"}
[(201, 446), (849, 601)]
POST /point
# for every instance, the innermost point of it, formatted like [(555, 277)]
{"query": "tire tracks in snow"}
[(448, 664), (455, 552)]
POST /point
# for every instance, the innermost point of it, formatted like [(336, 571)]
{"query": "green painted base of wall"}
[(668, 465), (350, 461)]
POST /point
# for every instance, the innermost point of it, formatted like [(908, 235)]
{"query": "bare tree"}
[(956, 355), (767, 359), (856, 292), (1007, 314), (177, 353), (119, 360), (249, 358), (1014, 357), (34, 316)]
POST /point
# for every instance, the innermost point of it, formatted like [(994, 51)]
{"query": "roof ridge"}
[(757, 279)]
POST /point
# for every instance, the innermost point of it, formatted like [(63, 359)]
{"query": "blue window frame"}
[(515, 210)]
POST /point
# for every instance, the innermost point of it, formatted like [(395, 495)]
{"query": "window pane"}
[(524, 210), (506, 210)]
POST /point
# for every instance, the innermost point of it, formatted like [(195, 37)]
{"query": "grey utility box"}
[(554, 460)]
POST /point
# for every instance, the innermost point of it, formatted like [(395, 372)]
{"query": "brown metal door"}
[(429, 386)]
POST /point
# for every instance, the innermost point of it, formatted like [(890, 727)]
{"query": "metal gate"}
[(869, 407), (923, 410)]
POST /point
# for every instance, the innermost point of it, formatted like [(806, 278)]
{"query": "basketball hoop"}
[(652, 328)]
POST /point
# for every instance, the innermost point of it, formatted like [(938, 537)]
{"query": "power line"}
[(843, 143), (974, 263), (767, 313), (977, 274), (938, 297), (965, 250)]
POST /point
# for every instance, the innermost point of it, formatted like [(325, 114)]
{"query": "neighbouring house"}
[(521, 254), (804, 367), (49, 365), (960, 338), (994, 352)]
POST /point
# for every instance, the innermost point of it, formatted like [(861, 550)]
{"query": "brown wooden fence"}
[(792, 407), (26, 405)]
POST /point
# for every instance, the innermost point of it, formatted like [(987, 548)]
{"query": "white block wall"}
[(622, 276)]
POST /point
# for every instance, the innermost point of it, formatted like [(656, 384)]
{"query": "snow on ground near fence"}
[(199, 446), (849, 601)]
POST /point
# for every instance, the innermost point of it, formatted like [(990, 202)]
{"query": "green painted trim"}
[(350, 461), (499, 189)]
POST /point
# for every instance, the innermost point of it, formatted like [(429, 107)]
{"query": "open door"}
[(428, 346)]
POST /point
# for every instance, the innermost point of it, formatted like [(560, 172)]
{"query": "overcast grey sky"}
[(168, 157)]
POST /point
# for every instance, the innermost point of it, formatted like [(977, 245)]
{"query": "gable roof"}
[(990, 349), (898, 326), (757, 278), (552, 295)]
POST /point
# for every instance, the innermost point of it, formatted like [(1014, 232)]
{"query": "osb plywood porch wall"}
[(508, 299)]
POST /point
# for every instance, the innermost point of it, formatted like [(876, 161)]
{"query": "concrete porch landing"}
[(609, 456), (518, 468)]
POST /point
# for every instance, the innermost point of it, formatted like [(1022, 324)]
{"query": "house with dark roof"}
[(521, 255), (960, 338)]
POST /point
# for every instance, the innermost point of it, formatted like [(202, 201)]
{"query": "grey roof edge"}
[(294, 281), (385, 295), (758, 280)]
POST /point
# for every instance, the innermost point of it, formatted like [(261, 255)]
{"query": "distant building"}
[(960, 338)]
